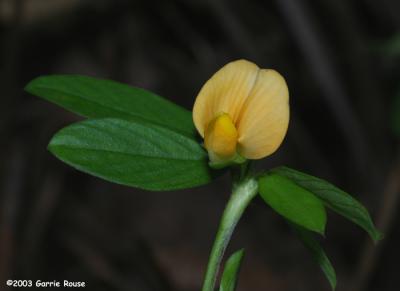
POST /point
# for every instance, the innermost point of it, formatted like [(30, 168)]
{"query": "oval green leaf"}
[(334, 198), (133, 153), (293, 202), (97, 98), (230, 275)]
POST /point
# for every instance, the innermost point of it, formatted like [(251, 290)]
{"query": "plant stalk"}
[(243, 192)]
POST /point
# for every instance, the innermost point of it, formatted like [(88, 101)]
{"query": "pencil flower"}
[(242, 112)]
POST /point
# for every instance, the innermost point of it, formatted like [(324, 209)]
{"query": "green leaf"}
[(334, 198), (293, 202), (231, 270), (133, 153), (97, 98), (317, 252)]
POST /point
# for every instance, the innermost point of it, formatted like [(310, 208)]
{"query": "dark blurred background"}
[(341, 60)]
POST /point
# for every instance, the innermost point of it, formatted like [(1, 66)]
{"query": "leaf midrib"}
[(120, 153)]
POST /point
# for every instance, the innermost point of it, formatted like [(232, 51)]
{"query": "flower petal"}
[(264, 118), (220, 137), (225, 92)]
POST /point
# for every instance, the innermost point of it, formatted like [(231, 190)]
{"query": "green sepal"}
[(217, 163)]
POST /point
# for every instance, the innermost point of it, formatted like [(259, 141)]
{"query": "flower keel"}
[(220, 139)]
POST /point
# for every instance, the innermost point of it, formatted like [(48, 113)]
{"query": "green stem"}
[(243, 192)]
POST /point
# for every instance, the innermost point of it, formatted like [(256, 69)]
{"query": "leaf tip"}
[(29, 87), (322, 233), (51, 147), (377, 236), (333, 285), (240, 252)]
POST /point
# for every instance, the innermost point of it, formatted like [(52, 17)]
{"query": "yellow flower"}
[(242, 111)]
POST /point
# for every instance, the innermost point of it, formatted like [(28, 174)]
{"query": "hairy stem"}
[(243, 192)]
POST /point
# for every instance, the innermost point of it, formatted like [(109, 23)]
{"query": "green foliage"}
[(334, 198), (317, 252), (154, 148), (96, 98), (139, 139), (231, 270), (294, 203), (133, 153)]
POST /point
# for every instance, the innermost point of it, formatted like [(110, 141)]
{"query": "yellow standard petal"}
[(225, 92), (264, 118)]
